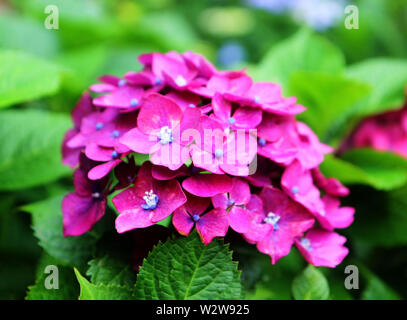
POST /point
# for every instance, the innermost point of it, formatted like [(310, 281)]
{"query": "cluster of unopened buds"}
[(224, 152)]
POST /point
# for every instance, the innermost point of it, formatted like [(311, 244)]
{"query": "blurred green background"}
[(53, 67)]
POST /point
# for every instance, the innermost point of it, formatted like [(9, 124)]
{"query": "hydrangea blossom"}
[(384, 132), (224, 151)]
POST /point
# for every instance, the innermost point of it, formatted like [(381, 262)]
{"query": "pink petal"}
[(207, 185), (212, 224)]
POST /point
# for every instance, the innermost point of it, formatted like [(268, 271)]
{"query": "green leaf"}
[(68, 288), (30, 154), (376, 288), (186, 269), (382, 217), (304, 51), (110, 271), (327, 97), (387, 77), (380, 170), (23, 33), (47, 225), (90, 291), (311, 284), (24, 78)]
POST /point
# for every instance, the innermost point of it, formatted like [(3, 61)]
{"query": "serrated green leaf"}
[(68, 288), (186, 269), (304, 51), (47, 225), (90, 291), (111, 271), (30, 153), (380, 170), (24, 78), (311, 284), (327, 97)]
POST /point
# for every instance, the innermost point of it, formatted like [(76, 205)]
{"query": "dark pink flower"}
[(322, 248), (287, 219), (235, 203), (162, 131), (84, 207), (147, 202), (208, 224), (331, 186)]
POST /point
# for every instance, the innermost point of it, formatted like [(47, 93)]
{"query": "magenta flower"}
[(235, 203), (287, 219), (232, 145), (266, 96), (84, 207), (220, 152), (147, 202), (322, 248), (242, 118), (209, 224), (160, 131)]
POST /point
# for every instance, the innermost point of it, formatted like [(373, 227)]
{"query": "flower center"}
[(115, 134), (165, 135), (218, 153), (115, 154), (306, 243), (157, 81), (272, 219), (134, 102), (295, 190), (151, 200), (196, 217), (191, 105), (122, 83), (257, 99), (96, 195), (99, 126), (180, 81), (231, 202), (262, 142), (231, 120)]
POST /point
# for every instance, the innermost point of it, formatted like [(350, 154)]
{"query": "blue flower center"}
[(257, 99), (272, 219), (231, 202), (262, 142), (191, 105), (151, 200), (157, 81), (134, 102), (122, 83), (115, 154), (165, 135), (115, 134), (295, 190), (99, 126), (306, 243), (231, 120), (180, 81), (196, 217)]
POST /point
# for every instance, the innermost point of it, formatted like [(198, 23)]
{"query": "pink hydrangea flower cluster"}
[(384, 132), (224, 152)]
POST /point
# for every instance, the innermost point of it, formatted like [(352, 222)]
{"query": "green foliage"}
[(311, 284), (47, 225), (111, 271), (186, 269), (381, 170), (30, 153), (327, 97), (387, 77), (304, 51), (68, 290), (90, 291), (28, 78)]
